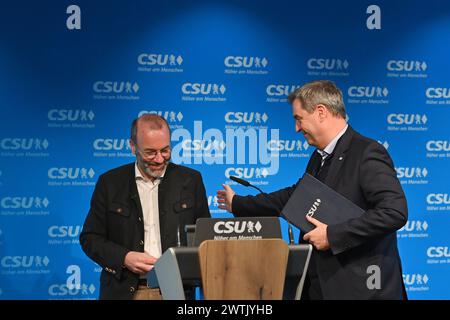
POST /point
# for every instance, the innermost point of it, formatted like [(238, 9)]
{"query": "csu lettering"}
[(438, 252), (111, 144), (438, 93), (18, 202), (230, 227), (280, 89), (438, 145), (202, 88), (153, 59), (64, 231), (438, 198)]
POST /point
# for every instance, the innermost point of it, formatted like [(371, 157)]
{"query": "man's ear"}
[(132, 146), (322, 111)]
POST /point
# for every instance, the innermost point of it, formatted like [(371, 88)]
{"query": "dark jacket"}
[(114, 225), (362, 171)]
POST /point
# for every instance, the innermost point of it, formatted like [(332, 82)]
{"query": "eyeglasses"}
[(151, 154)]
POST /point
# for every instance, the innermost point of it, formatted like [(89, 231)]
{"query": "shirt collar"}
[(330, 147)]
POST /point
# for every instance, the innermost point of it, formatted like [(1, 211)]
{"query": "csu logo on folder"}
[(314, 208)]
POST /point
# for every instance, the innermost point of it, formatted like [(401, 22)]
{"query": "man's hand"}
[(225, 198), (317, 237), (139, 262)]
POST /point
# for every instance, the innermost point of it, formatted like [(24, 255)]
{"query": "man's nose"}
[(159, 158)]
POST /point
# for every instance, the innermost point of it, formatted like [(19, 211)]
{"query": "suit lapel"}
[(162, 192), (314, 163), (339, 155), (164, 212), (134, 194)]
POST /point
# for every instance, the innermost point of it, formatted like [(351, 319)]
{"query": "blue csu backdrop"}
[(220, 72)]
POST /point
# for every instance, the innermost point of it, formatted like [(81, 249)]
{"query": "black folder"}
[(314, 198)]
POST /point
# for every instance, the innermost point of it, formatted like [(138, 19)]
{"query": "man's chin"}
[(155, 173)]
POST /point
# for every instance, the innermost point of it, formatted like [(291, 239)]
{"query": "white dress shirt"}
[(330, 147), (148, 194)]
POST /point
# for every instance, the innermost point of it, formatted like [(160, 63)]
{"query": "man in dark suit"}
[(139, 210), (356, 259)]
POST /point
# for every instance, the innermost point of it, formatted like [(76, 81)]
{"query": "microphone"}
[(248, 184), (244, 183), (291, 234), (178, 236)]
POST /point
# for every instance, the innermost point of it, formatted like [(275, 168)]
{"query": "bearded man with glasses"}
[(139, 210)]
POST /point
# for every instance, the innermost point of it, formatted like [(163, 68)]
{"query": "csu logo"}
[(170, 116), (438, 145), (438, 252), (64, 231), (70, 115), (111, 144), (115, 86), (247, 173), (407, 172), (212, 200), (437, 93), (246, 62), (24, 202), (314, 208), (24, 261), (385, 144), (367, 92), (236, 227), (148, 59), (23, 144), (205, 145), (438, 198), (246, 117), (279, 90), (415, 279), (404, 65), (415, 225), (401, 118), (287, 145), (327, 64), (64, 290), (70, 173), (203, 88)]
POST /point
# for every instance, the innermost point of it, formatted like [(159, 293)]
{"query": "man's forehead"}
[(153, 137)]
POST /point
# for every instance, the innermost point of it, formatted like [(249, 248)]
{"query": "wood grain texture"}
[(243, 269)]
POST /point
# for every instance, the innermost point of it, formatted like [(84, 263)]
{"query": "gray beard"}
[(154, 174)]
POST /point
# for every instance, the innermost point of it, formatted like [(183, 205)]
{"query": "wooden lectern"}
[(258, 266), (180, 266), (243, 269)]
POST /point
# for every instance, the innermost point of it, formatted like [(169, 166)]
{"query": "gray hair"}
[(323, 92), (153, 122)]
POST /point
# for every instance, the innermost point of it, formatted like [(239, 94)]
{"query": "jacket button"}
[(140, 220), (132, 289), (119, 210), (141, 243), (184, 205)]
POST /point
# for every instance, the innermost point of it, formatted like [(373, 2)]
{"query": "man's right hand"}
[(139, 262), (225, 198)]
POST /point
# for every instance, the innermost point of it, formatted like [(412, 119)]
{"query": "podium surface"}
[(180, 266)]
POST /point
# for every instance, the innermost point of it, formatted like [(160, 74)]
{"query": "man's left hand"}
[(317, 237)]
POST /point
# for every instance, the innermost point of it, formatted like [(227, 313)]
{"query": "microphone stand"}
[(248, 184)]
